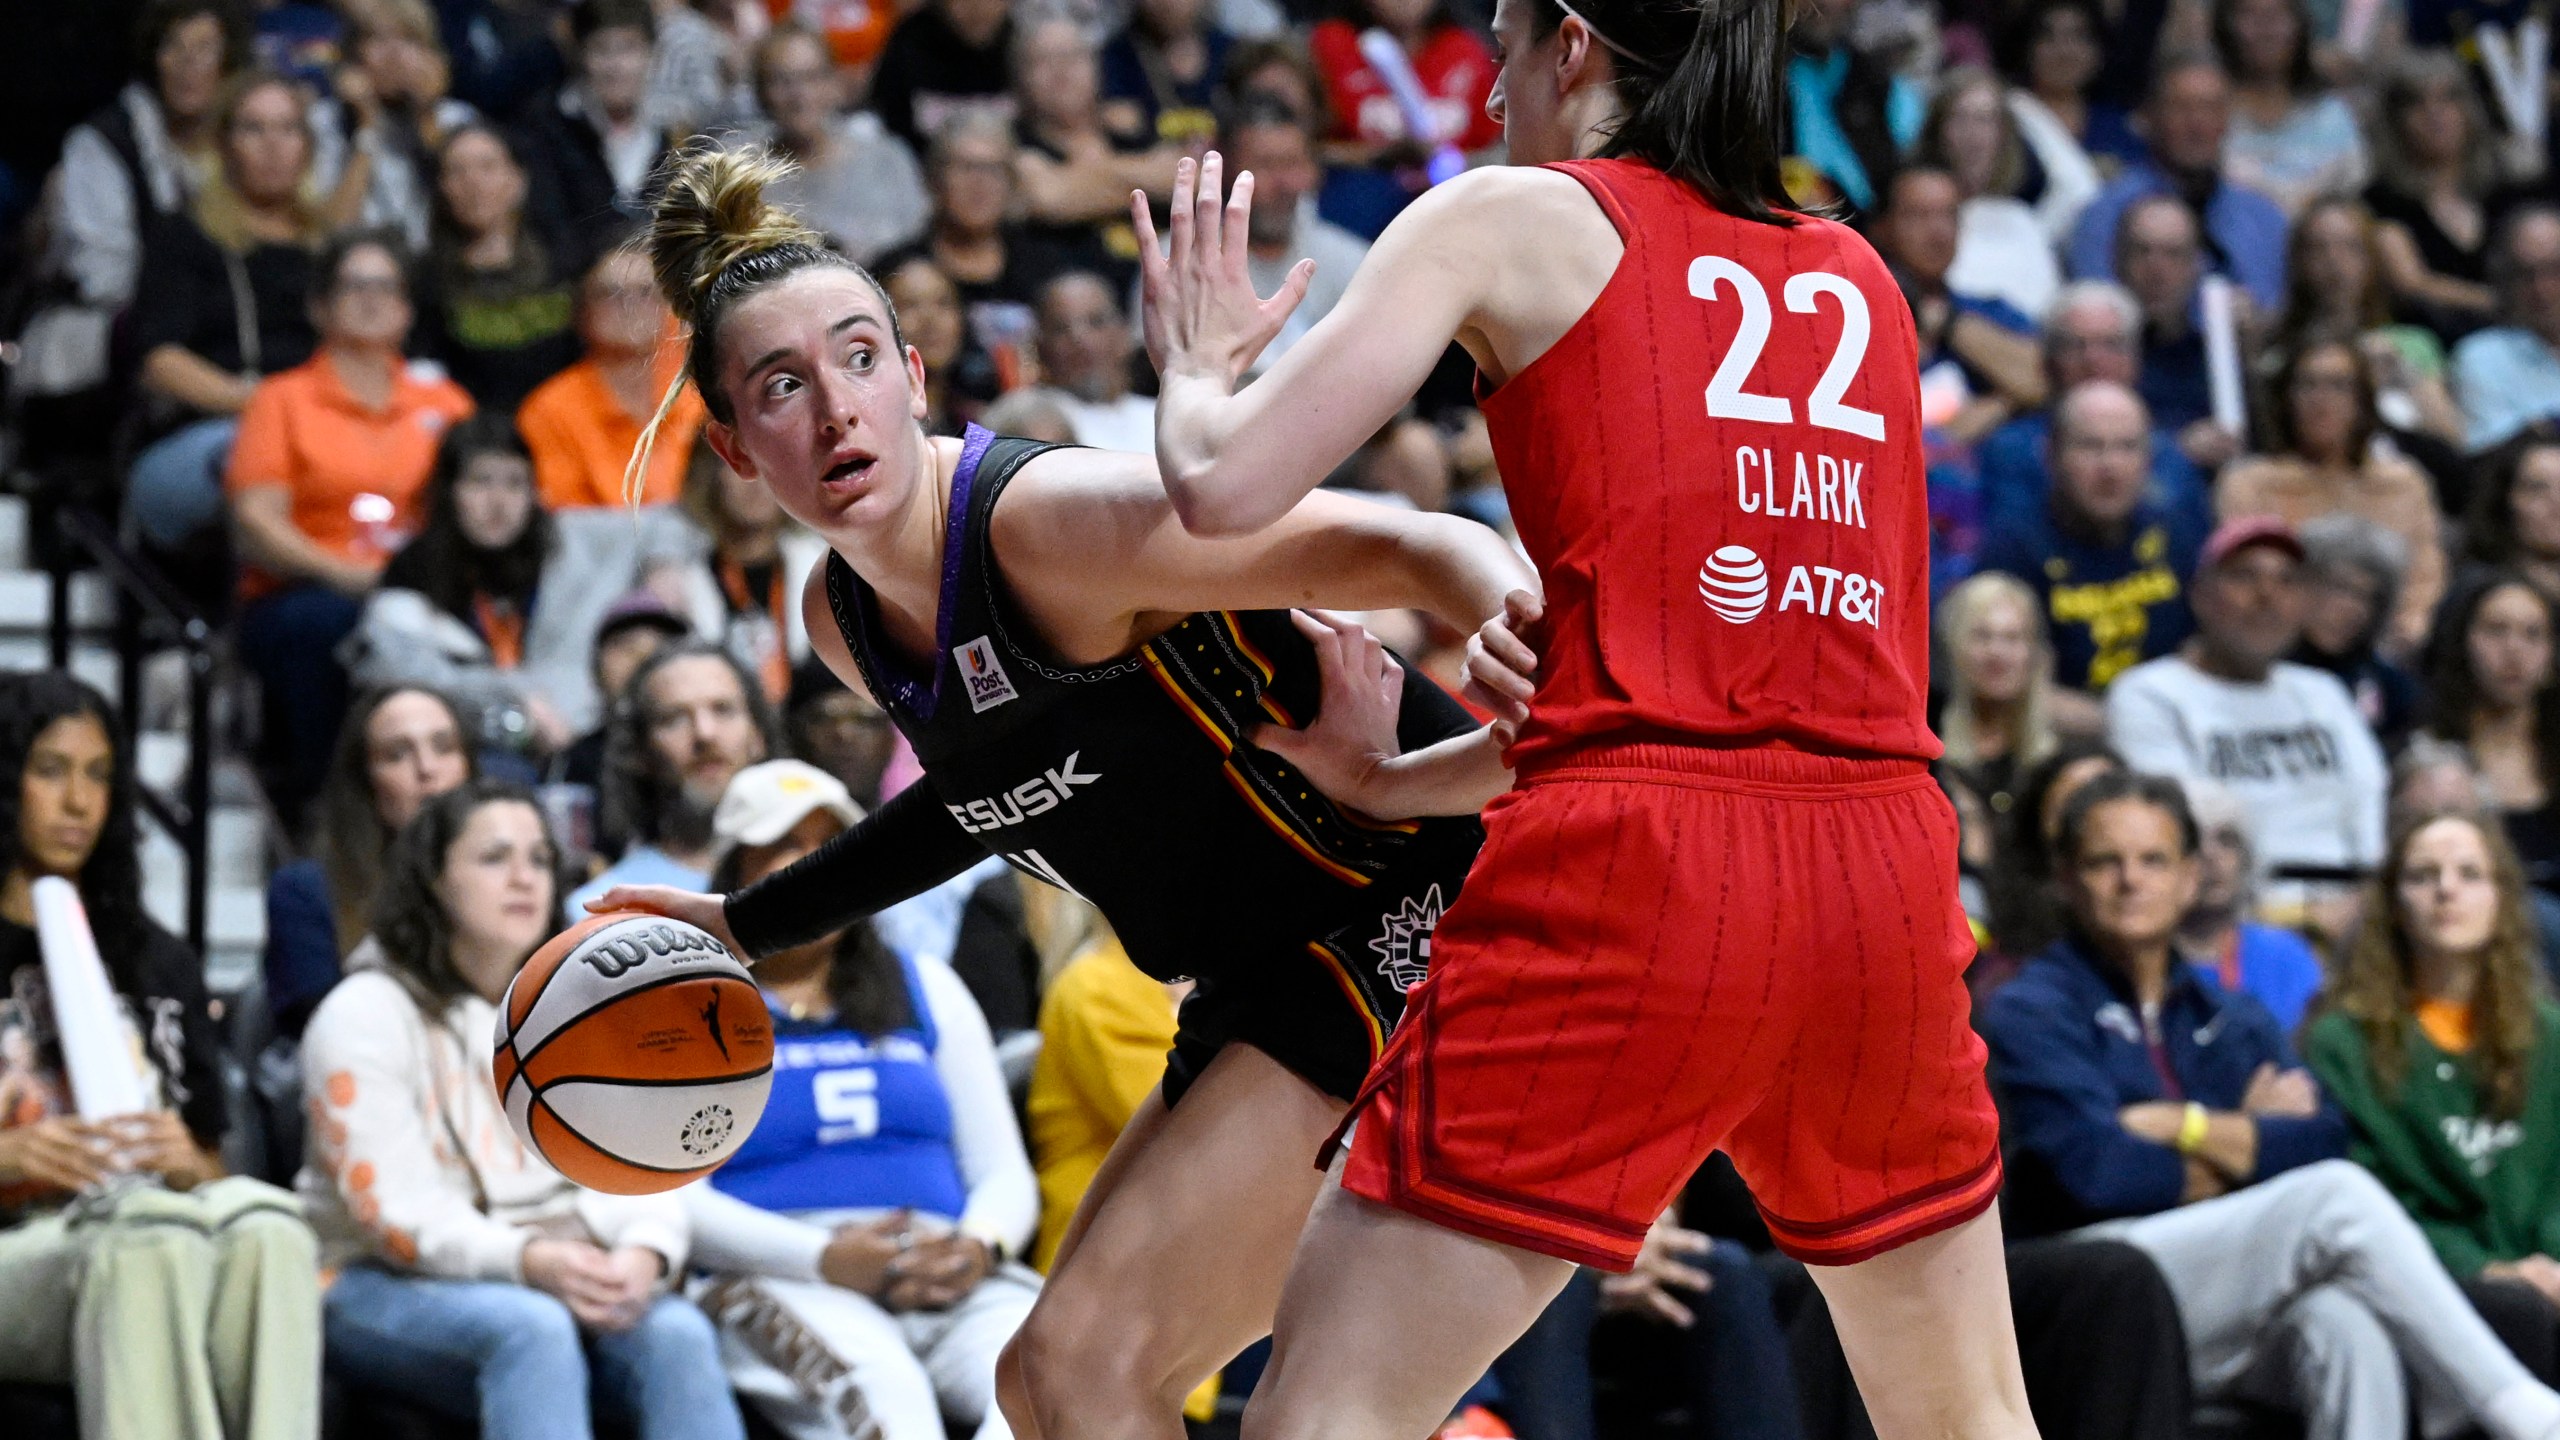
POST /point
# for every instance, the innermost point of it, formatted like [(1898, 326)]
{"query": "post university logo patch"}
[(983, 673)]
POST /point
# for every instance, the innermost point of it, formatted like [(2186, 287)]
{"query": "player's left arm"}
[(1236, 460), (1086, 534)]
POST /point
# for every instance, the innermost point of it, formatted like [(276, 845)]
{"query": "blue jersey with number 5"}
[(855, 1121)]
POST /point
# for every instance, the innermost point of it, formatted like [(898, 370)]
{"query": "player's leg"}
[(1179, 1265), (1387, 1319), (1927, 1331), (1874, 1158)]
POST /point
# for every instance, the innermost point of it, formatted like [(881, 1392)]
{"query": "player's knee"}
[(1071, 1355)]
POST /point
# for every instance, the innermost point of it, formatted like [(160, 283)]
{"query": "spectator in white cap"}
[(2277, 966), (859, 1247)]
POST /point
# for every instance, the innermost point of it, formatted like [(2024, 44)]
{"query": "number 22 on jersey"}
[(1727, 399)]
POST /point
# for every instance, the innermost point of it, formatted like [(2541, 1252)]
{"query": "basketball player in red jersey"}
[(1718, 910)]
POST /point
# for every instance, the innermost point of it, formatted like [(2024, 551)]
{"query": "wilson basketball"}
[(633, 1053)]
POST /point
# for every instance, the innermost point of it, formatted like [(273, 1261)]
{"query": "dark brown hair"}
[(352, 839), (409, 919), (1704, 85)]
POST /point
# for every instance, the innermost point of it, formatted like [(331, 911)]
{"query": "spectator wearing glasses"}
[(2508, 376), (2242, 233), (2094, 332), (857, 183), (2274, 965), (2336, 290), (331, 458), (2320, 427)]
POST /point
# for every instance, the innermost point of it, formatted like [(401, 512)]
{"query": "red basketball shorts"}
[(1666, 950)]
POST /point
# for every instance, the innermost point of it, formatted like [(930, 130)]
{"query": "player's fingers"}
[(1501, 645), (1679, 1240), (1293, 288), (1178, 218), (1669, 1309), (1506, 680), (1687, 1277), (1523, 608), (1239, 220), (1150, 258), (1206, 249)]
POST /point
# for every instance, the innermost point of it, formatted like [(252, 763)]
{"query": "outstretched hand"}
[(701, 911), (1360, 698), (1202, 316)]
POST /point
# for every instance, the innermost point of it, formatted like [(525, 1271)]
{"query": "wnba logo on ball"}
[(1735, 584)]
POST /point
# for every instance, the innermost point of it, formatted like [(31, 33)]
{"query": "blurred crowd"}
[(2240, 334)]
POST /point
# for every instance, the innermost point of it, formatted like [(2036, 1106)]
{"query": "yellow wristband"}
[(2191, 1129)]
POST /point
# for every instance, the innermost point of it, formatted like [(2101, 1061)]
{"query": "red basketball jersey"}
[(1718, 472)]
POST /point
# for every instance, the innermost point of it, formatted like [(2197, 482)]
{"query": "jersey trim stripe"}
[(1351, 992), (1304, 844), (1261, 662)]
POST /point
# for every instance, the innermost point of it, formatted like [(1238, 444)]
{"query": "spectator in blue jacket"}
[(2272, 965), (2187, 115), (2137, 1092), (2110, 567)]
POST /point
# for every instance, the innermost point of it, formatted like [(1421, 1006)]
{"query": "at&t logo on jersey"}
[(988, 685), (1404, 949), (1735, 584)]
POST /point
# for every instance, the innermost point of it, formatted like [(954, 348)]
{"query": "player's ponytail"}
[(713, 239), (1703, 83)]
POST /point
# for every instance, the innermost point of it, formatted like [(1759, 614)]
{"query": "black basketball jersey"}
[(1129, 783)]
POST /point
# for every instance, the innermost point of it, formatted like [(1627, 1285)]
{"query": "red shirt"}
[(1456, 71), (1718, 472)]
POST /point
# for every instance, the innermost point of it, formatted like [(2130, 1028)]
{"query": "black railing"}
[(148, 615)]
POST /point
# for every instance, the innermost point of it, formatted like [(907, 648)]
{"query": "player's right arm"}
[(906, 847)]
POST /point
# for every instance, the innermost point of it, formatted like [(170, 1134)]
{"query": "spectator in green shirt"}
[(2445, 1058)]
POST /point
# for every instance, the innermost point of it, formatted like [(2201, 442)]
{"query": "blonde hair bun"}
[(712, 215)]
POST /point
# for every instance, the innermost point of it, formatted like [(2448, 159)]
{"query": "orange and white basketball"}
[(633, 1053)]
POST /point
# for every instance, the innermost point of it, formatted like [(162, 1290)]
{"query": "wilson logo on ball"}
[(1734, 584), (628, 1076)]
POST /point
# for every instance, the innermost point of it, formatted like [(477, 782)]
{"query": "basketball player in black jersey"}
[(1084, 683)]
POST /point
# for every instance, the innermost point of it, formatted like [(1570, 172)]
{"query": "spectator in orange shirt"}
[(330, 455), (582, 423)]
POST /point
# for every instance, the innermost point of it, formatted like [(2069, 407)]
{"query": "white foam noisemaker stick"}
[(99, 1049), (2222, 354), (2519, 66), (2356, 23), (1386, 56)]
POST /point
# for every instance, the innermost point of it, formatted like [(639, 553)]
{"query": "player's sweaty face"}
[(825, 407)]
